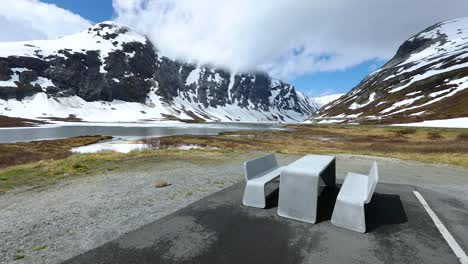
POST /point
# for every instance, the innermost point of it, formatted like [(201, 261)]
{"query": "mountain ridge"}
[(110, 68), (427, 79)]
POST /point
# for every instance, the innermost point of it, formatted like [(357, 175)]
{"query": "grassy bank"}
[(431, 145), (27, 152), (6, 121)]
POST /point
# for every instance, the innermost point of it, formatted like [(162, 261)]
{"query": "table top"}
[(310, 164)]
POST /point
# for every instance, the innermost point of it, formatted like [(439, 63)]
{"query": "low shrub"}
[(404, 132), (434, 136), (463, 136)]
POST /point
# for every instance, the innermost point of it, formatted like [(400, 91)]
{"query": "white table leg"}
[(298, 196)]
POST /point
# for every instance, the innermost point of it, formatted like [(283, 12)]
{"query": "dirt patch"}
[(6, 121), (26, 152), (70, 118)]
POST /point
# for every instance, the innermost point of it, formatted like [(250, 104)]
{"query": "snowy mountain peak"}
[(452, 30), (105, 37), (113, 69), (426, 79)]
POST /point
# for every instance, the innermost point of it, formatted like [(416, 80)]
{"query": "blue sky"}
[(93, 10), (316, 84), (333, 82)]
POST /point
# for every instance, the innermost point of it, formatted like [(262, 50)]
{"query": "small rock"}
[(160, 184)]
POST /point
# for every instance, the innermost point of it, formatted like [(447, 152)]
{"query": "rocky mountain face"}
[(112, 68), (427, 79)]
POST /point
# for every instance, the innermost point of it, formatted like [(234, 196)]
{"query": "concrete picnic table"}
[(301, 183)]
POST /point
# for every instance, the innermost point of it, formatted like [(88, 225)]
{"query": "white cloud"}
[(287, 38), (32, 19)]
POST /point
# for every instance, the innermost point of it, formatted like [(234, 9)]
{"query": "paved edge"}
[(461, 255)]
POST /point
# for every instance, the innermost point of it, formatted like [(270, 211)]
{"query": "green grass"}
[(19, 255), (44, 173), (40, 247)]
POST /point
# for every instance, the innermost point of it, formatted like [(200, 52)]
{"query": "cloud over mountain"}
[(286, 38)]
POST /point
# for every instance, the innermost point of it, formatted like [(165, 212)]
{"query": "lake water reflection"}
[(136, 131)]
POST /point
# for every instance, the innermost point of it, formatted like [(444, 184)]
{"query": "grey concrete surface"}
[(218, 229)]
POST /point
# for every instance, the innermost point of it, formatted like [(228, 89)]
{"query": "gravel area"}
[(55, 224)]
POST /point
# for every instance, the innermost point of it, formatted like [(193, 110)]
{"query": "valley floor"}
[(50, 225), (42, 163), (432, 145)]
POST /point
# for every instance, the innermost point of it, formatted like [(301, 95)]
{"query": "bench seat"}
[(269, 176), (258, 173), (356, 191), (354, 188)]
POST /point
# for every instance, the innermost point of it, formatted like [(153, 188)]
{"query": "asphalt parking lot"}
[(219, 229)]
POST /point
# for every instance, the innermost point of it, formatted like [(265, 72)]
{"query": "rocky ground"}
[(57, 223)]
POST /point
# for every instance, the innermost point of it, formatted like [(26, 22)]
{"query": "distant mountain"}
[(427, 79), (324, 100), (111, 73)]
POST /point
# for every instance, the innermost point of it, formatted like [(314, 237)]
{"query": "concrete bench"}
[(258, 173), (356, 191)]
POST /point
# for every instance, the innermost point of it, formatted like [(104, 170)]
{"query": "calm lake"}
[(10, 135)]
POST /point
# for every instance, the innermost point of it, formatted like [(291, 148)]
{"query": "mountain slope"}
[(111, 73), (427, 79)]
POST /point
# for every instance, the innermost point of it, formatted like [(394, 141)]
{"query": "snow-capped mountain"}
[(427, 79), (111, 73), (326, 99)]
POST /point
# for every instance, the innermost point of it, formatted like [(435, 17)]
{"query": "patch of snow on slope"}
[(193, 77), (43, 82), (401, 103), (462, 85), (427, 75), (355, 105), (413, 93), (234, 112), (40, 106), (435, 94), (13, 78), (10, 83), (418, 113), (461, 122), (121, 147)]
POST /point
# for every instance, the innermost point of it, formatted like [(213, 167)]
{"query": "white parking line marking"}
[(443, 230)]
